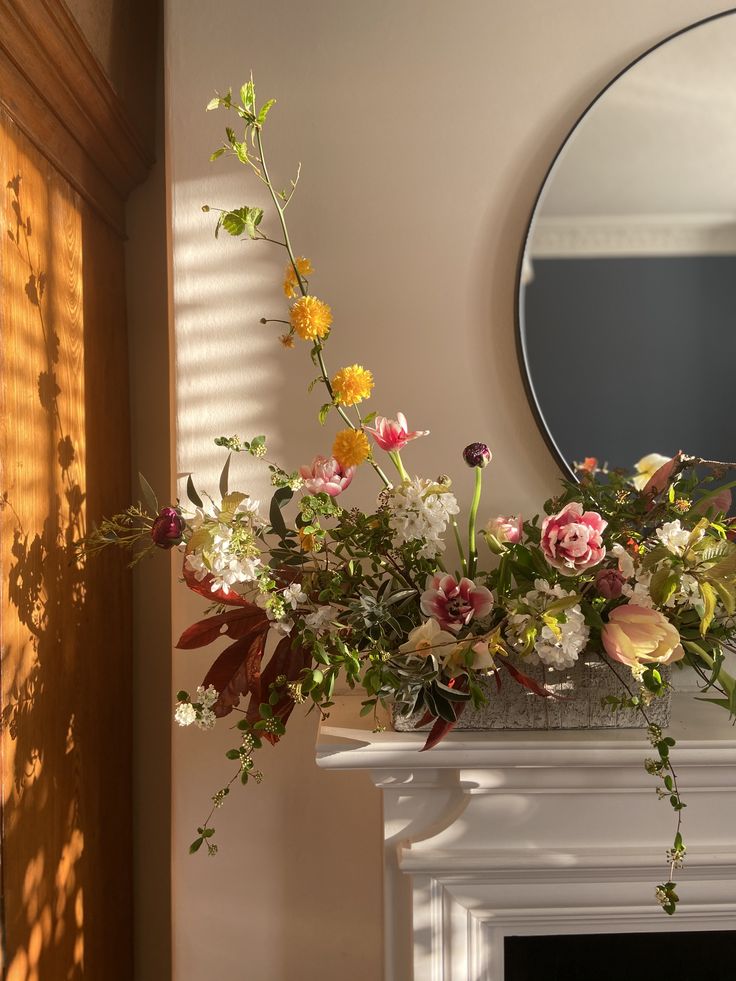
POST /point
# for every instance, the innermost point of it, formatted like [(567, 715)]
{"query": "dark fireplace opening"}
[(676, 956)]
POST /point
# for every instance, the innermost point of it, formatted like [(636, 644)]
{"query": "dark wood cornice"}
[(56, 91)]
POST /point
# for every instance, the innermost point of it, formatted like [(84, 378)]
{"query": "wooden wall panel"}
[(64, 623)]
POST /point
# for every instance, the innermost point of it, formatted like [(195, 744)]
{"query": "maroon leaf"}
[(204, 588), (441, 727), (236, 671), (289, 659), (528, 682), (236, 623)]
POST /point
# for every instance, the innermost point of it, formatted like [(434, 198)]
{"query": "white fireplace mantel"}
[(508, 833)]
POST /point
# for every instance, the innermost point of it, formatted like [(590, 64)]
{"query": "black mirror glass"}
[(627, 295)]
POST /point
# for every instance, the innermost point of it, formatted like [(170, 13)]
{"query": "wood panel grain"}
[(64, 673)]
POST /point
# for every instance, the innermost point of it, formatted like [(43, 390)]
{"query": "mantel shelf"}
[(703, 732)]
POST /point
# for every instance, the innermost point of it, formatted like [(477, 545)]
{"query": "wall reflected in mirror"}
[(627, 306)]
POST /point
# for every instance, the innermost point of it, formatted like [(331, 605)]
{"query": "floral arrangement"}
[(639, 571)]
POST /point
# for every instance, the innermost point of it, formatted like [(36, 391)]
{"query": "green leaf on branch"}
[(248, 96), (149, 495), (709, 606), (663, 584), (218, 153), (192, 493), (264, 111), (324, 412), (242, 220)]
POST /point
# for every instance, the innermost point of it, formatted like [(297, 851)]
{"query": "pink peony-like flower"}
[(609, 583), (571, 540), (393, 434), (454, 604), (506, 529), (636, 636), (326, 476)]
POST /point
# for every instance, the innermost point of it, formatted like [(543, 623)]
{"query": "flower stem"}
[(395, 457), (460, 548), (303, 291), (472, 551)]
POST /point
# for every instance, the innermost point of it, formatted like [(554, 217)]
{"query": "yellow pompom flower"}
[(310, 318), (350, 448), (290, 283), (351, 385)]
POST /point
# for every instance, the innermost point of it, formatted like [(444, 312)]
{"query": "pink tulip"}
[(326, 476), (506, 529), (454, 604), (393, 434), (571, 540), (636, 635)]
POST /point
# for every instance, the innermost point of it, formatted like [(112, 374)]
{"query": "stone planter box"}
[(581, 687)]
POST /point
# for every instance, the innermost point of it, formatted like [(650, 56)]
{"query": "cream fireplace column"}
[(509, 833)]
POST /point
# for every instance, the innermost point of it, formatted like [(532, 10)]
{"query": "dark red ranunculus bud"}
[(477, 455), (609, 583), (168, 528)]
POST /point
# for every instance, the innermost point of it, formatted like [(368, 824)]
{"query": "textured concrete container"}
[(581, 689)]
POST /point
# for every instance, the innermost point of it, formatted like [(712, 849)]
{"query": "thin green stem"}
[(472, 550), (460, 548), (303, 291), (395, 457)]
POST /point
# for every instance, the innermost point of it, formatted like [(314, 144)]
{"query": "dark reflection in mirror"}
[(628, 293)]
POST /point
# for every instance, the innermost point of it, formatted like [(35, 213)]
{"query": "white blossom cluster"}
[(636, 588), (224, 545), (420, 513), (554, 651), (198, 711)]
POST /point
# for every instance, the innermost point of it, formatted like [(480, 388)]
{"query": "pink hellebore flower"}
[(506, 529), (326, 476), (637, 636), (571, 540), (393, 434), (454, 604)]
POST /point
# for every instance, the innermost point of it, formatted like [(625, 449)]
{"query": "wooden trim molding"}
[(56, 91)]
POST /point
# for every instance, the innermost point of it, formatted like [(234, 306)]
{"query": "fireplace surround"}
[(504, 834)]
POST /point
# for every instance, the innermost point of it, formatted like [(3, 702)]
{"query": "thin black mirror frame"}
[(521, 349)]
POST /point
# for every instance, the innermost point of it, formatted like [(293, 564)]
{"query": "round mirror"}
[(627, 285)]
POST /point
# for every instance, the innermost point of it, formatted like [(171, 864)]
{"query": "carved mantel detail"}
[(494, 834)]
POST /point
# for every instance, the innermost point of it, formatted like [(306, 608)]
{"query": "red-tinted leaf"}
[(527, 682), (204, 588), (661, 478), (236, 671), (441, 727), (288, 659), (427, 717), (236, 623)]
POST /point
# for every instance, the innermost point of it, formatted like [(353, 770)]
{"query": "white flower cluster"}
[(199, 710), (223, 545), (321, 620), (421, 511), (636, 589), (554, 651)]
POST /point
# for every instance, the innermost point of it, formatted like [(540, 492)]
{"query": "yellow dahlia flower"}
[(290, 283), (351, 385), (310, 318), (350, 448)]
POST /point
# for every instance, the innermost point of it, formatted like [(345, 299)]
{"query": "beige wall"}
[(424, 129)]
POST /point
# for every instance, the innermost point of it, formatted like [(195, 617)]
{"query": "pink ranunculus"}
[(609, 583), (325, 475), (636, 636), (454, 604), (506, 529), (571, 540), (393, 434)]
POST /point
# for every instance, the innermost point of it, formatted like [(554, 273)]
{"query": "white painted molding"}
[(619, 236), (500, 833)]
